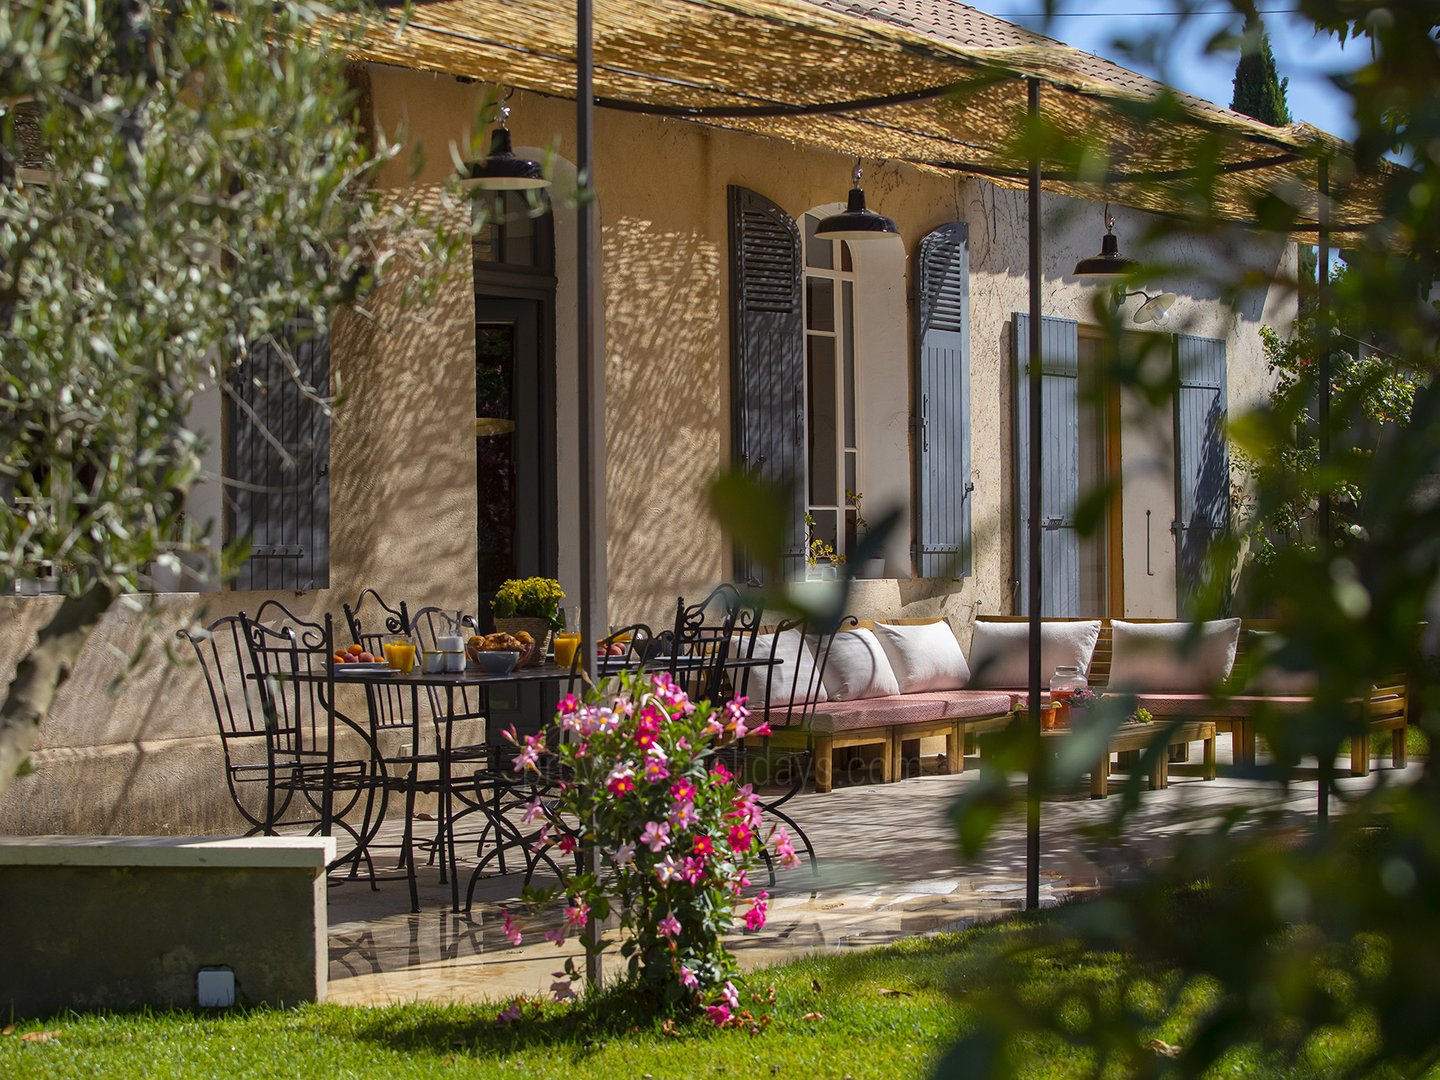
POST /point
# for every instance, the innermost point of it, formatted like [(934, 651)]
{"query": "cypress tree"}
[(1259, 90)]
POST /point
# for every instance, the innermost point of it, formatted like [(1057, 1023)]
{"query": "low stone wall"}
[(119, 922)]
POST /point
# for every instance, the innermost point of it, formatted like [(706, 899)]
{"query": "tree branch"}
[(42, 673)]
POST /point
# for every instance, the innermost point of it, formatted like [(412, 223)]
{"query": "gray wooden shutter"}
[(1202, 462), (1060, 464), (767, 360), (942, 403), (278, 461)]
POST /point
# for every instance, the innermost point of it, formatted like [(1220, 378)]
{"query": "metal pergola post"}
[(1034, 375), (592, 627), (1323, 315)]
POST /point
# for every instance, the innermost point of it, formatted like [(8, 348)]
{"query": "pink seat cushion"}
[(903, 709)]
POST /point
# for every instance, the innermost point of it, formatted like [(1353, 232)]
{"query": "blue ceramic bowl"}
[(496, 662)]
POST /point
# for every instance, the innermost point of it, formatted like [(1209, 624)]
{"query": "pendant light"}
[(501, 170), (856, 222), (1109, 263)]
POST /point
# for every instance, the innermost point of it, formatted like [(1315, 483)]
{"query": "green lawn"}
[(888, 1012)]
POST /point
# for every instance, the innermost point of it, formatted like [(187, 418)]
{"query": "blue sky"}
[(1306, 59)]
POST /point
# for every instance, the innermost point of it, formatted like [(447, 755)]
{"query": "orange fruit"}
[(355, 650)]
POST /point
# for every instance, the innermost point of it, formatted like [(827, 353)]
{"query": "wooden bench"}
[(1388, 705)]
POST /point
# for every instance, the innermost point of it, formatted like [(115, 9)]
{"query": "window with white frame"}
[(831, 406)]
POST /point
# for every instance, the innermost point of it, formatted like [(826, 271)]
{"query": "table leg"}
[(954, 750), (1100, 777), (1399, 750), (1210, 757), (1160, 771), (1242, 742)]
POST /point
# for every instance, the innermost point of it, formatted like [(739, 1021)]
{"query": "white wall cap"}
[(168, 851)]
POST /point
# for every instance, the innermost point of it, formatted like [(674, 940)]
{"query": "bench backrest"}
[(1099, 674)]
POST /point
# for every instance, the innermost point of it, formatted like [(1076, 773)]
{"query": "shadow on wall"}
[(137, 751), (664, 416)]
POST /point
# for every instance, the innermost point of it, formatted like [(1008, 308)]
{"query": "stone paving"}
[(889, 867)]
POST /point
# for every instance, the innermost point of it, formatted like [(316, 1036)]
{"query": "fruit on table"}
[(355, 650), (499, 642)]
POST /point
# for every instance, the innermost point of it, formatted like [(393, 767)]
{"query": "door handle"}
[(1149, 572)]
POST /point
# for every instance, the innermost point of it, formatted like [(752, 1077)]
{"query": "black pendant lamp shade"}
[(1109, 263), (856, 222), (501, 170)]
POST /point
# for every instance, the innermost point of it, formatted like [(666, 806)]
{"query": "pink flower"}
[(624, 855), (621, 781), (720, 774), (655, 770), (784, 849), (694, 870), (682, 816), (557, 936), (669, 926), (568, 844), (534, 746), (656, 835), (569, 705), (682, 791), (719, 1014), (577, 913), (511, 1014), (740, 883), (703, 847), (534, 811), (755, 917), (762, 729), (730, 995), (667, 870), (511, 928), (687, 978), (561, 988), (740, 838)]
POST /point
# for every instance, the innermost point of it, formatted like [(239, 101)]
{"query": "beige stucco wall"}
[(143, 758)]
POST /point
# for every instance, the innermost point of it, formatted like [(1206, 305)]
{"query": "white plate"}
[(359, 668)]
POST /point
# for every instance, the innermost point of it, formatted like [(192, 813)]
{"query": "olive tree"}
[(206, 174)]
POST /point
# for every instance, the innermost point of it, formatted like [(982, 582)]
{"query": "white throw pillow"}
[(1000, 651), (791, 681), (857, 668), (924, 657), (1164, 658)]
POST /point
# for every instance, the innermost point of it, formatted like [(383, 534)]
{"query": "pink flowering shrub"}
[(677, 834)]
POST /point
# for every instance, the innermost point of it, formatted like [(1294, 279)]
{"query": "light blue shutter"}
[(767, 359), (942, 403), (1202, 461), (1059, 461)]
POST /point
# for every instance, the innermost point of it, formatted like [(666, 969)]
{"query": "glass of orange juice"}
[(400, 654), (567, 643)]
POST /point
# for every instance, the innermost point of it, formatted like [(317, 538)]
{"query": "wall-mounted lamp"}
[(1155, 309), (501, 170), (856, 222), (1109, 263)]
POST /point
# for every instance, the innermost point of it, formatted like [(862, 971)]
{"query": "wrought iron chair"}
[(710, 642), (782, 696), (272, 689)]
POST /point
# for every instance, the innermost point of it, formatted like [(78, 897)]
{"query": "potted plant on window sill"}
[(874, 566), (822, 561), (532, 605)]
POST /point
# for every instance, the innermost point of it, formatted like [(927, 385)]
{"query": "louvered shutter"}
[(1059, 462), (767, 359), (278, 461), (942, 403), (1202, 462)]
